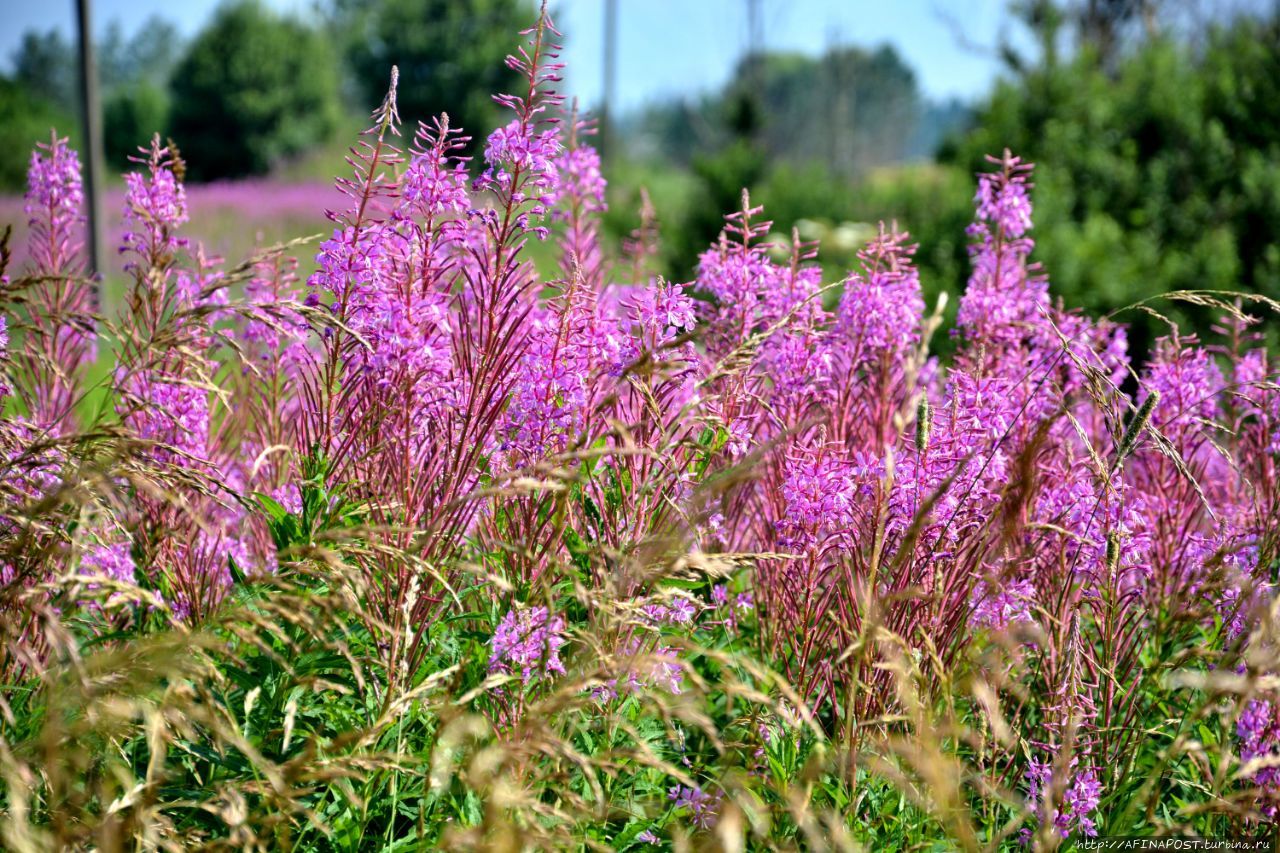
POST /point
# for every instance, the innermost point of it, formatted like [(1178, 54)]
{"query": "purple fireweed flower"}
[(552, 381), (1189, 382), (30, 461), (739, 436), (166, 403), (822, 489), (736, 278), (60, 340), (648, 838), (1005, 300), (1078, 513), (528, 640), (880, 312), (682, 610), (288, 496), (1002, 199), (155, 207), (113, 560), (277, 332), (665, 671), (606, 692), (703, 808), (199, 289), (679, 611), (516, 147), (581, 179), (1079, 800), (794, 297), (1258, 729), (435, 184), (169, 411), (999, 608), (661, 312), (1244, 592), (658, 667), (404, 332), (962, 461), (751, 293), (798, 367), (404, 338), (1251, 375), (348, 259), (524, 162), (53, 204)]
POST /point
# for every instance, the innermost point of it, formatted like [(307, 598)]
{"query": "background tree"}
[(24, 120), (451, 55), (129, 117), (804, 134), (1157, 170), (147, 57), (135, 78), (45, 66), (253, 88)]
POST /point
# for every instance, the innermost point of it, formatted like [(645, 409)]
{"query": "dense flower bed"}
[(617, 489)]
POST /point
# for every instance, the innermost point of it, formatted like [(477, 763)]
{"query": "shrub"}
[(130, 116), (1158, 174), (253, 88)]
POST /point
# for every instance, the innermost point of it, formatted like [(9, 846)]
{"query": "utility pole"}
[(755, 43), (91, 122), (610, 77)]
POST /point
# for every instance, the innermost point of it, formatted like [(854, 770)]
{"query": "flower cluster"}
[(580, 178), (1001, 605), (702, 808), (171, 412), (515, 149), (529, 641), (1080, 797), (53, 204), (1258, 728), (446, 403), (880, 310), (822, 491), (551, 385), (1002, 199), (648, 665), (61, 339), (1006, 298), (155, 207), (435, 183), (114, 560)]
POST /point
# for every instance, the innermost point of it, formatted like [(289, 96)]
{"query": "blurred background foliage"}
[(451, 55), (1157, 142), (253, 89)]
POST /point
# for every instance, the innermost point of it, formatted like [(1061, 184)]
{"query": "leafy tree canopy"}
[(451, 55), (1157, 169), (253, 88)]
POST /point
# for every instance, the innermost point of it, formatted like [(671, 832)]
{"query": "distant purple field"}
[(231, 217)]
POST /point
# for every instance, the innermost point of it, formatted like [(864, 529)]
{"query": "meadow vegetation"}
[(427, 549)]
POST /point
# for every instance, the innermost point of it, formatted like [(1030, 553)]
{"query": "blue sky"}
[(668, 47)]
